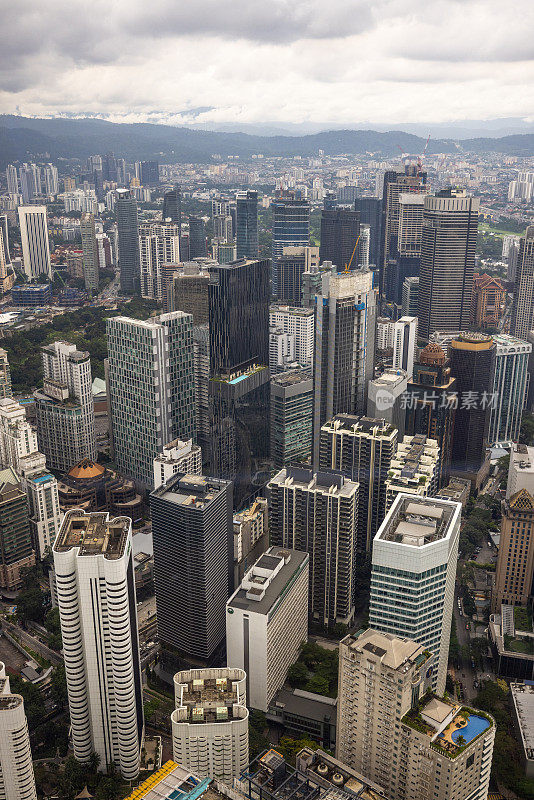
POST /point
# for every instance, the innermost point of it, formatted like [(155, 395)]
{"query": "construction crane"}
[(420, 159), (347, 266)]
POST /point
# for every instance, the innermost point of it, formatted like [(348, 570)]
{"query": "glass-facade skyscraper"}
[(340, 229), (128, 230), (291, 226), (239, 371), (172, 206), (151, 389), (197, 238), (247, 224)]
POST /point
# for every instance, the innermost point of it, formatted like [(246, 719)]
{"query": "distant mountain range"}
[(24, 138)]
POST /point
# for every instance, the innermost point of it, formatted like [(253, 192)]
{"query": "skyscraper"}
[(65, 407), (18, 782), (396, 182), (210, 722), (514, 574), (430, 403), (267, 621), (291, 417), (291, 226), (450, 221), (405, 254), (369, 211), (362, 450), (193, 561), (414, 469), (415, 554), (340, 230), (345, 321), (5, 376), (197, 238), (34, 237), (16, 551), (509, 389), (522, 321), (239, 374), (404, 342), (93, 566), (12, 179), (172, 207), (159, 244), (247, 224), (473, 366), (128, 235), (151, 389), (317, 513), (90, 253), (149, 173), (410, 297), (189, 291)]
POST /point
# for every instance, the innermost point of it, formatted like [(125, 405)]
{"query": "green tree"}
[(58, 686), (318, 684), (297, 675)]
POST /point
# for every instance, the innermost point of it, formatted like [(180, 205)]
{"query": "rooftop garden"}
[(523, 619), (519, 644)]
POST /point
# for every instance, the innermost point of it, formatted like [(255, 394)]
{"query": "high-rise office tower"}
[(109, 167), (405, 252), (90, 253), (197, 238), (415, 554), (369, 211), (193, 562), (386, 398), (363, 246), (222, 228), (291, 227), (128, 236), (340, 230), (410, 297), (300, 323), (30, 182), (522, 320), (34, 237), (159, 244), (12, 179), (247, 224), (450, 222), (16, 550), (151, 389), (5, 376), (149, 173), (189, 291), (172, 207), (95, 586), (514, 574), (473, 366), (407, 741), (267, 620), (310, 284), (291, 417), (414, 469), (510, 253), (5, 258), (65, 407), (345, 322), (317, 513), (18, 782), (210, 722), (509, 389), (362, 450), (17, 437), (239, 375), (430, 403), (289, 270), (396, 182), (520, 470), (251, 536), (404, 343)]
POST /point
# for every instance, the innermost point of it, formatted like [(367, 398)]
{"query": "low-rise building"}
[(305, 715)]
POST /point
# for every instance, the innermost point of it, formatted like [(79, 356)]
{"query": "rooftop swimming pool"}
[(475, 725)]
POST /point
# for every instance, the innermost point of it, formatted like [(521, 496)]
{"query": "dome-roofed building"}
[(93, 487)]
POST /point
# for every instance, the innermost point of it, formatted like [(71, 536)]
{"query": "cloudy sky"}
[(345, 61)]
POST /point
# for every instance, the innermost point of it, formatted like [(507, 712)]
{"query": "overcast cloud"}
[(344, 61)]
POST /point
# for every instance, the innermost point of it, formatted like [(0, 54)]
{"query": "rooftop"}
[(194, 491), (93, 534), (330, 483), (418, 523), (173, 782), (523, 698), (264, 585), (366, 425), (306, 704), (449, 725), (292, 377), (209, 695), (392, 651), (294, 310)]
